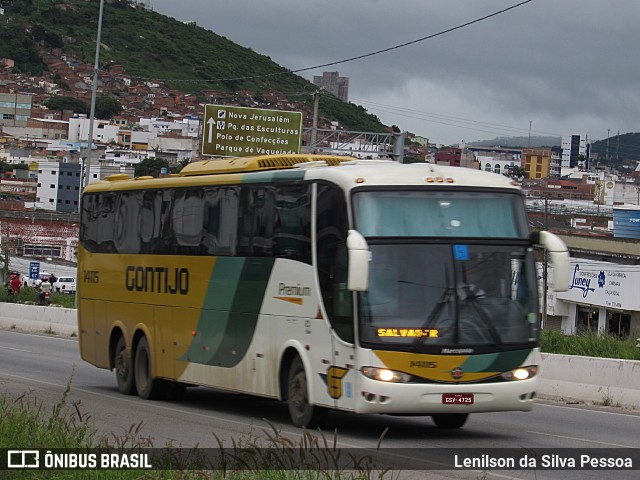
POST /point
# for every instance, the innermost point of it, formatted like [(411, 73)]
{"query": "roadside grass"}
[(28, 296), (25, 423), (590, 344)]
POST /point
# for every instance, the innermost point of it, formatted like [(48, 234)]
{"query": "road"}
[(21, 265), (44, 365)]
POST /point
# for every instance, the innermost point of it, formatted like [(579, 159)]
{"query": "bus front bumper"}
[(426, 399)]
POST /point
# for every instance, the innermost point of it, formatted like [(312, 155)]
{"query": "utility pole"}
[(607, 154), (544, 265), (314, 128), (94, 92), (529, 143)]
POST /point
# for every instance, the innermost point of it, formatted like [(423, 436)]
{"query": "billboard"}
[(626, 221), (241, 132), (604, 284)]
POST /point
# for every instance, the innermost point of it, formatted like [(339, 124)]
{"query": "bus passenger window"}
[(126, 236), (220, 220), (188, 221), (292, 230), (257, 219)]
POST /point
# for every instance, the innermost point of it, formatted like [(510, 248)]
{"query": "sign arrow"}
[(211, 123)]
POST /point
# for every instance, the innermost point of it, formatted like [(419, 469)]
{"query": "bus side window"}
[(150, 221), (187, 222), (292, 230), (257, 221), (331, 237), (220, 220)]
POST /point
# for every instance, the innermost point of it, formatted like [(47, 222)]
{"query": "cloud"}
[(565, 66)]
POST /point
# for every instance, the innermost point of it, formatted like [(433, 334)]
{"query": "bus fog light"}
[(521, 373), (385, 375)]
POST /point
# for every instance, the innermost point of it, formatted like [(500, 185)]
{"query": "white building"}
[(501, 163), (102, 131), (124, 157), (602, 294), (574, 147), (58, 186)]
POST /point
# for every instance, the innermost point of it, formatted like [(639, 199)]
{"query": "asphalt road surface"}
[(42, 366)]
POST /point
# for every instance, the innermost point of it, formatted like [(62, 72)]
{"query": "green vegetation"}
[(62, 103), (590, 344), (618, 148), (153, 166), (152, 46), (27, 424), (27, 296)]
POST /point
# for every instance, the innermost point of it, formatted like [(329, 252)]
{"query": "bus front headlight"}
[(385, 375), (521, 373)]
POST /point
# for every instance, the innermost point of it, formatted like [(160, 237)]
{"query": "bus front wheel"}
[(450, 420), (302, 413), (149, 388), (124, 369)]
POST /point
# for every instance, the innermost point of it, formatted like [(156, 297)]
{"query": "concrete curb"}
[(35, 318)]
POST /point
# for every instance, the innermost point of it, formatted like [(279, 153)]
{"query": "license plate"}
[(457, 398)]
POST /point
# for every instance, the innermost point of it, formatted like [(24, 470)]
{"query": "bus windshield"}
[(410, 213), (460, 276)]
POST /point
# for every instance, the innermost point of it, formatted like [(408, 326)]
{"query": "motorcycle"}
[(44, 298)]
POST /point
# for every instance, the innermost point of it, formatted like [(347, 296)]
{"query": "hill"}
[(152, 46), (520, 142), (617, 149)]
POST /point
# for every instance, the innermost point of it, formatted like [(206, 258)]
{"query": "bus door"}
[(331, 227)]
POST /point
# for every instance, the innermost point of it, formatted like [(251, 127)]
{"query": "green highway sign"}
[(241, 132)]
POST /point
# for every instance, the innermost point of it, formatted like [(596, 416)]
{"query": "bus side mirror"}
[(559, 257), (358, 279)]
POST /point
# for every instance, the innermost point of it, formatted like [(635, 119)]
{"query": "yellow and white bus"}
[(327, 282)]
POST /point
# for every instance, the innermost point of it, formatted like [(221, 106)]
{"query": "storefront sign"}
[(604, 284)]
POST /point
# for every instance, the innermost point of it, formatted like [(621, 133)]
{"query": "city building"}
[(58, 186), (332, 82), (555, 167), (575, 152), (536, 162), (602, 295), (502, 163), (15, 109)]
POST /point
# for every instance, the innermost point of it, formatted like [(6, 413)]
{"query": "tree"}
[(107, 107), (181, 164), (151, 167), (63, 102)]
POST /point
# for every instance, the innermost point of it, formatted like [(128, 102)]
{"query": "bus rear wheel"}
[(124, 369), (149, 388), (302, 413), (450, 420)]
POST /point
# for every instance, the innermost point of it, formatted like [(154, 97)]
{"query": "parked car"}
[(64, 285), (34, 282)]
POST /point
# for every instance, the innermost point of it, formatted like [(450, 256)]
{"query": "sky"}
[(545, 67)]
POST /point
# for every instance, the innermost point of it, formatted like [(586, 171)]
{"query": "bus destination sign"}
[(241, 132)]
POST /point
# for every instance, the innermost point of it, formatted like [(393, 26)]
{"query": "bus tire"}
[(149, 388), (301, 412), (124, 369), (450, 420)]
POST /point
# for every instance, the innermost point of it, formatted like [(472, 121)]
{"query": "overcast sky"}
[(555, 66)]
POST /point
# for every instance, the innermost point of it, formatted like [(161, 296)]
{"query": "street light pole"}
[(94, 91)]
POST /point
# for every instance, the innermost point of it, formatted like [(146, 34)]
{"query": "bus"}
[(326, 282)]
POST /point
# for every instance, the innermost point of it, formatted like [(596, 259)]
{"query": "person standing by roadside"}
[(15, 283)]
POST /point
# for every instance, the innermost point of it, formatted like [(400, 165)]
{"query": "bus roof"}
[(255, 164), (347, 172)]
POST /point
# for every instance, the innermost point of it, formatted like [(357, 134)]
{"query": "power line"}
[(351, 59), (458, 121)]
